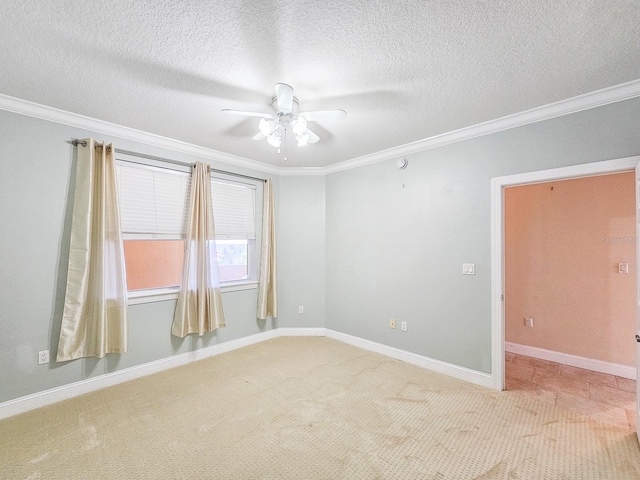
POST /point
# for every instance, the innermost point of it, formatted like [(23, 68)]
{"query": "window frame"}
[(253, 246), (161, 294)]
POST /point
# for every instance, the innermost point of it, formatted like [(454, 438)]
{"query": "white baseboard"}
[(461, 373), (572, 360), (65, 392), (54, 395), (302, 332)]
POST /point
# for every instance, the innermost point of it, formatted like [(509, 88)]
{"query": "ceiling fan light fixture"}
[(274, 140), (266, 127), (299, 126), (287, 118)]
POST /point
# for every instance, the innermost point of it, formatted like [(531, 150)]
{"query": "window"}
[(154, 211), (153, 215), (234, 218)]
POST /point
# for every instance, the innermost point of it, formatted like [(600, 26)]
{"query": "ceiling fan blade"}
[(313, 138), (323, 115), (259, 136), (284, 94), (247, 114)]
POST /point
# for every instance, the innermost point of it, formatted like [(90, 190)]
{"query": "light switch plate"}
[(623, 267), (468, 268)]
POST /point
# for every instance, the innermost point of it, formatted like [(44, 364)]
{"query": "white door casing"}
[(637, 299), (498, 184)]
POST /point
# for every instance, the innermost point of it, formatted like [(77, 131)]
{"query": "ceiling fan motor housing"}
[(285, 118)]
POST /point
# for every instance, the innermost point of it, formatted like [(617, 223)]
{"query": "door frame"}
[(498, 184)]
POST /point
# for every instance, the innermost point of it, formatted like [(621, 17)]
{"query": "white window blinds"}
[(154, 204), (153, 201), (233, 210)]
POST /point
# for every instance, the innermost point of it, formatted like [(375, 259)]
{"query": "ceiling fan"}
[(274, 127)]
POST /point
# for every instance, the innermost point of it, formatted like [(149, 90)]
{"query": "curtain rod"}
[(77, 142)]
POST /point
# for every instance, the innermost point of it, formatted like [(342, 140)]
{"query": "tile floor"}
[(603, 397)]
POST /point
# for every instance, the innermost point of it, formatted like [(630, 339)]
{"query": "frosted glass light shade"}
[(299, 126), (274, 140), (266, 127)]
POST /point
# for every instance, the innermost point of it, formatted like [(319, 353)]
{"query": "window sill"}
[(239, 286), (138, 297), (166, 294)]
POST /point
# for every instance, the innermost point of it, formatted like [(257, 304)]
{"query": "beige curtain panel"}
[(94, 321), (199, 307), (267, 291)]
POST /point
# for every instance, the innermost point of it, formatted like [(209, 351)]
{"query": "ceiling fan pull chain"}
[(285, 144)]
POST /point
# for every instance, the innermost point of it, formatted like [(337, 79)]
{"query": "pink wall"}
[(153, 263), (563, 242), (158, 264)]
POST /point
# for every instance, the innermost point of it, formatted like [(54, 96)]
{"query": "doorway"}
[(569, 312), (498, 251)]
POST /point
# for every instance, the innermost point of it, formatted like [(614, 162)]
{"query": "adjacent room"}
[(337, 240), (570, 299)]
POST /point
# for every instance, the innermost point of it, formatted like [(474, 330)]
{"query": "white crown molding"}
[(302, 171), (568, 106), (31, 109)]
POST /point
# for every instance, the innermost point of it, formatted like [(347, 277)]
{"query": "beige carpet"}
[(309, 408)]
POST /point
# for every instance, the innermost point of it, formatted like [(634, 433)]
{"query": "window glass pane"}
[(153, 263), (232, 260)]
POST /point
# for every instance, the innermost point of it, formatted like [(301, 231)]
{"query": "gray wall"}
[(355, 248), (396, 240), (301, 251), (37, 169)]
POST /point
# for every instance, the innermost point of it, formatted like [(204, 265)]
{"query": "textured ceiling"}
[(403, 70)]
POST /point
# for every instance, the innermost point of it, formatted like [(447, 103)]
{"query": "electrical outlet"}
[(403, 326), (43, 357), (392, 323), (300, 309), (528, 322)]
